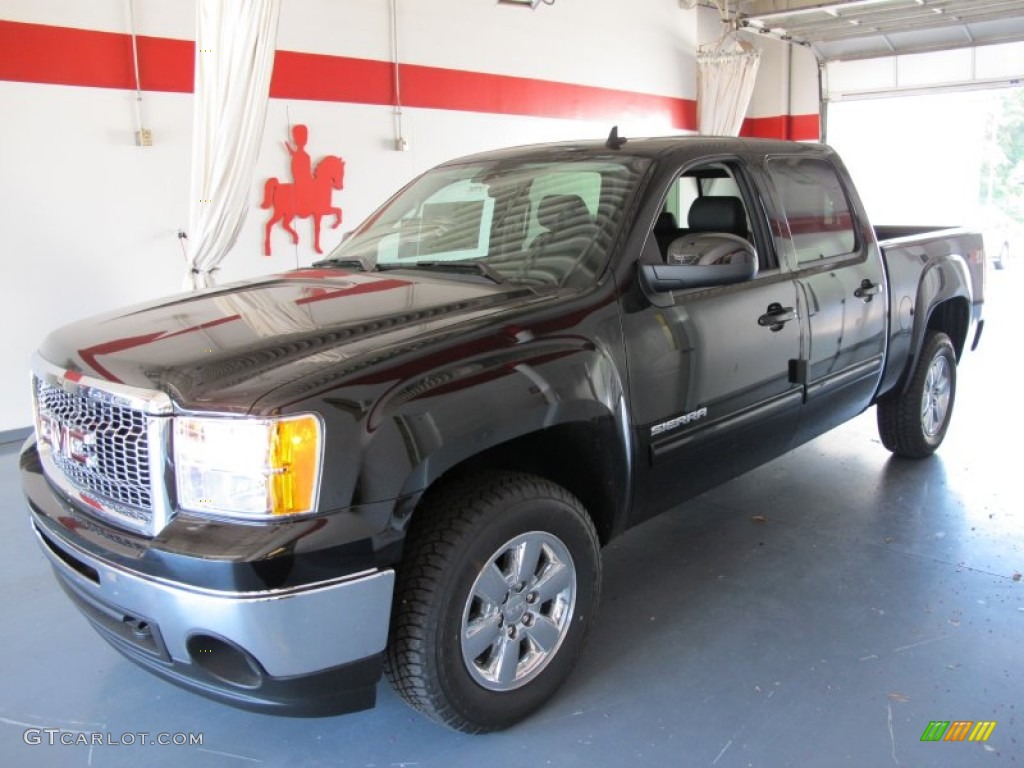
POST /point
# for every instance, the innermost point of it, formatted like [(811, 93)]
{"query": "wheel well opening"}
[(952, 317), (575, 456)]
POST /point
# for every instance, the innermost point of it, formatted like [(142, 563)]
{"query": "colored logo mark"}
[(958, 730)]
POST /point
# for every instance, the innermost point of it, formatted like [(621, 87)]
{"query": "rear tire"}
[(913, 423), (493, 600)]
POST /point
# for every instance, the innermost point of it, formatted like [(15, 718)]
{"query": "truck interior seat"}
[(718, 214), (559, 250), (666, 229), (562, 216)]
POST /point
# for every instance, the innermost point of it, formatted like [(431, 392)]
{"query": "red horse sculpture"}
[(311, 199)]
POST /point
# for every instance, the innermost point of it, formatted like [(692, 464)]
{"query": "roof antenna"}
[(615, 141)]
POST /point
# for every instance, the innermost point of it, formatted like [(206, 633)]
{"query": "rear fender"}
[(943, 303)]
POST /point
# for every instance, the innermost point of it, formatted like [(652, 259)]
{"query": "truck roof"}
[(653, 147)]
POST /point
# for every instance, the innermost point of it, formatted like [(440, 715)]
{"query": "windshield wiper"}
[(458, 267), (362, 263)]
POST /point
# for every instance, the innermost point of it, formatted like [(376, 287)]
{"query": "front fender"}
[(448, 415), (399, 417)]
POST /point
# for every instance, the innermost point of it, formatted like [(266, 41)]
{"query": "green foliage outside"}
[(1002, 177)]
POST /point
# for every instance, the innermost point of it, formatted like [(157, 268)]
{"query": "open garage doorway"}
[(949, 158)]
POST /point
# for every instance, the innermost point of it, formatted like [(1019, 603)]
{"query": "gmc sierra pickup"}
[(408, 457)]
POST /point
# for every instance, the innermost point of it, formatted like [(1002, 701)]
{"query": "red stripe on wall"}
[(166, 64), (36, 53), (438, 88), (316, 77), (41, 54), (794, 127)]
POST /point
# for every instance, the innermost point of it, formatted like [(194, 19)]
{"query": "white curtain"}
[(725, 82), (235, 43)]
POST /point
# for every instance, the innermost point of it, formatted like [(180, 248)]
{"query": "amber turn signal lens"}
[(295, 465)]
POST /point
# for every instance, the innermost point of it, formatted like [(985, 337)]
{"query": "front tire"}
[(493, 600), (913, 423)]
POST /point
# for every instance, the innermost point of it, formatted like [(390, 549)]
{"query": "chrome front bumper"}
[(286, 650)]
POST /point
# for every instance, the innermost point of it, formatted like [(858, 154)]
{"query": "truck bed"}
[(906, 250)]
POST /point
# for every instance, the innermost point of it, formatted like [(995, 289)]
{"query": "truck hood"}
[(223, 349)]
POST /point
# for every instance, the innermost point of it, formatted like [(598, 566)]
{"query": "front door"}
[(710, 371)]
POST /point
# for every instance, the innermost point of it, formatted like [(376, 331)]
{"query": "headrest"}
[(666, 221), (718, 214), (559, 211)]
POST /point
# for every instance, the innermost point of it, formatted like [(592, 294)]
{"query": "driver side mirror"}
[(702, 260)]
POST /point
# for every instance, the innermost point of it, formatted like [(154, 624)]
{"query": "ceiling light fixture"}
[(531, 4), (812, 8)]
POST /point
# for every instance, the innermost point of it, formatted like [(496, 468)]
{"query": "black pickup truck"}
[(408, 457)]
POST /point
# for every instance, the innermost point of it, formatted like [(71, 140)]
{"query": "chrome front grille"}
[(100, 447), (105, 445)]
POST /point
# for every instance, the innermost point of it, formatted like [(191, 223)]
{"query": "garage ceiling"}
[(859, 29)]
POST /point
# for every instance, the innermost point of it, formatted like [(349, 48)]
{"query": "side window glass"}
[(815, 206), (704, 199)]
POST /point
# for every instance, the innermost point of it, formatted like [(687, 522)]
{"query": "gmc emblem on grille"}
[(72, 444)]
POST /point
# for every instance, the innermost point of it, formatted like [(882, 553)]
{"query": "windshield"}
[(507, 221)]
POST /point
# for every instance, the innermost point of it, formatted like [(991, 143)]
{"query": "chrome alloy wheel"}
[(935, 402), (519, 611)]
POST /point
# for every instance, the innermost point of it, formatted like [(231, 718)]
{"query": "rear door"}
[(841, 282), (710, 388)]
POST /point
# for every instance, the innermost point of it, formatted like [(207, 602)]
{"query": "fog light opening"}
[(139, 627), (224, 661)]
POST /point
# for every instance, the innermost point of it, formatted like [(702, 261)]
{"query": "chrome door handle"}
[(776, 316), (867, 290)]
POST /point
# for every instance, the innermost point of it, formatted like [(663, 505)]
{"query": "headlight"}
[(248, 467)]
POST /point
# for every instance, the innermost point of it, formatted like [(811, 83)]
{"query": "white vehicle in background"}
[(1002, 233)]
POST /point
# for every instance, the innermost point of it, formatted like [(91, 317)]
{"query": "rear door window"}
[(816, 208)]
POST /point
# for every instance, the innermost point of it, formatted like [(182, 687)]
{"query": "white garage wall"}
[(785, 102), (90, 220)]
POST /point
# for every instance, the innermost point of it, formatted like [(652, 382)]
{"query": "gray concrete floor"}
[(874, 596)]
